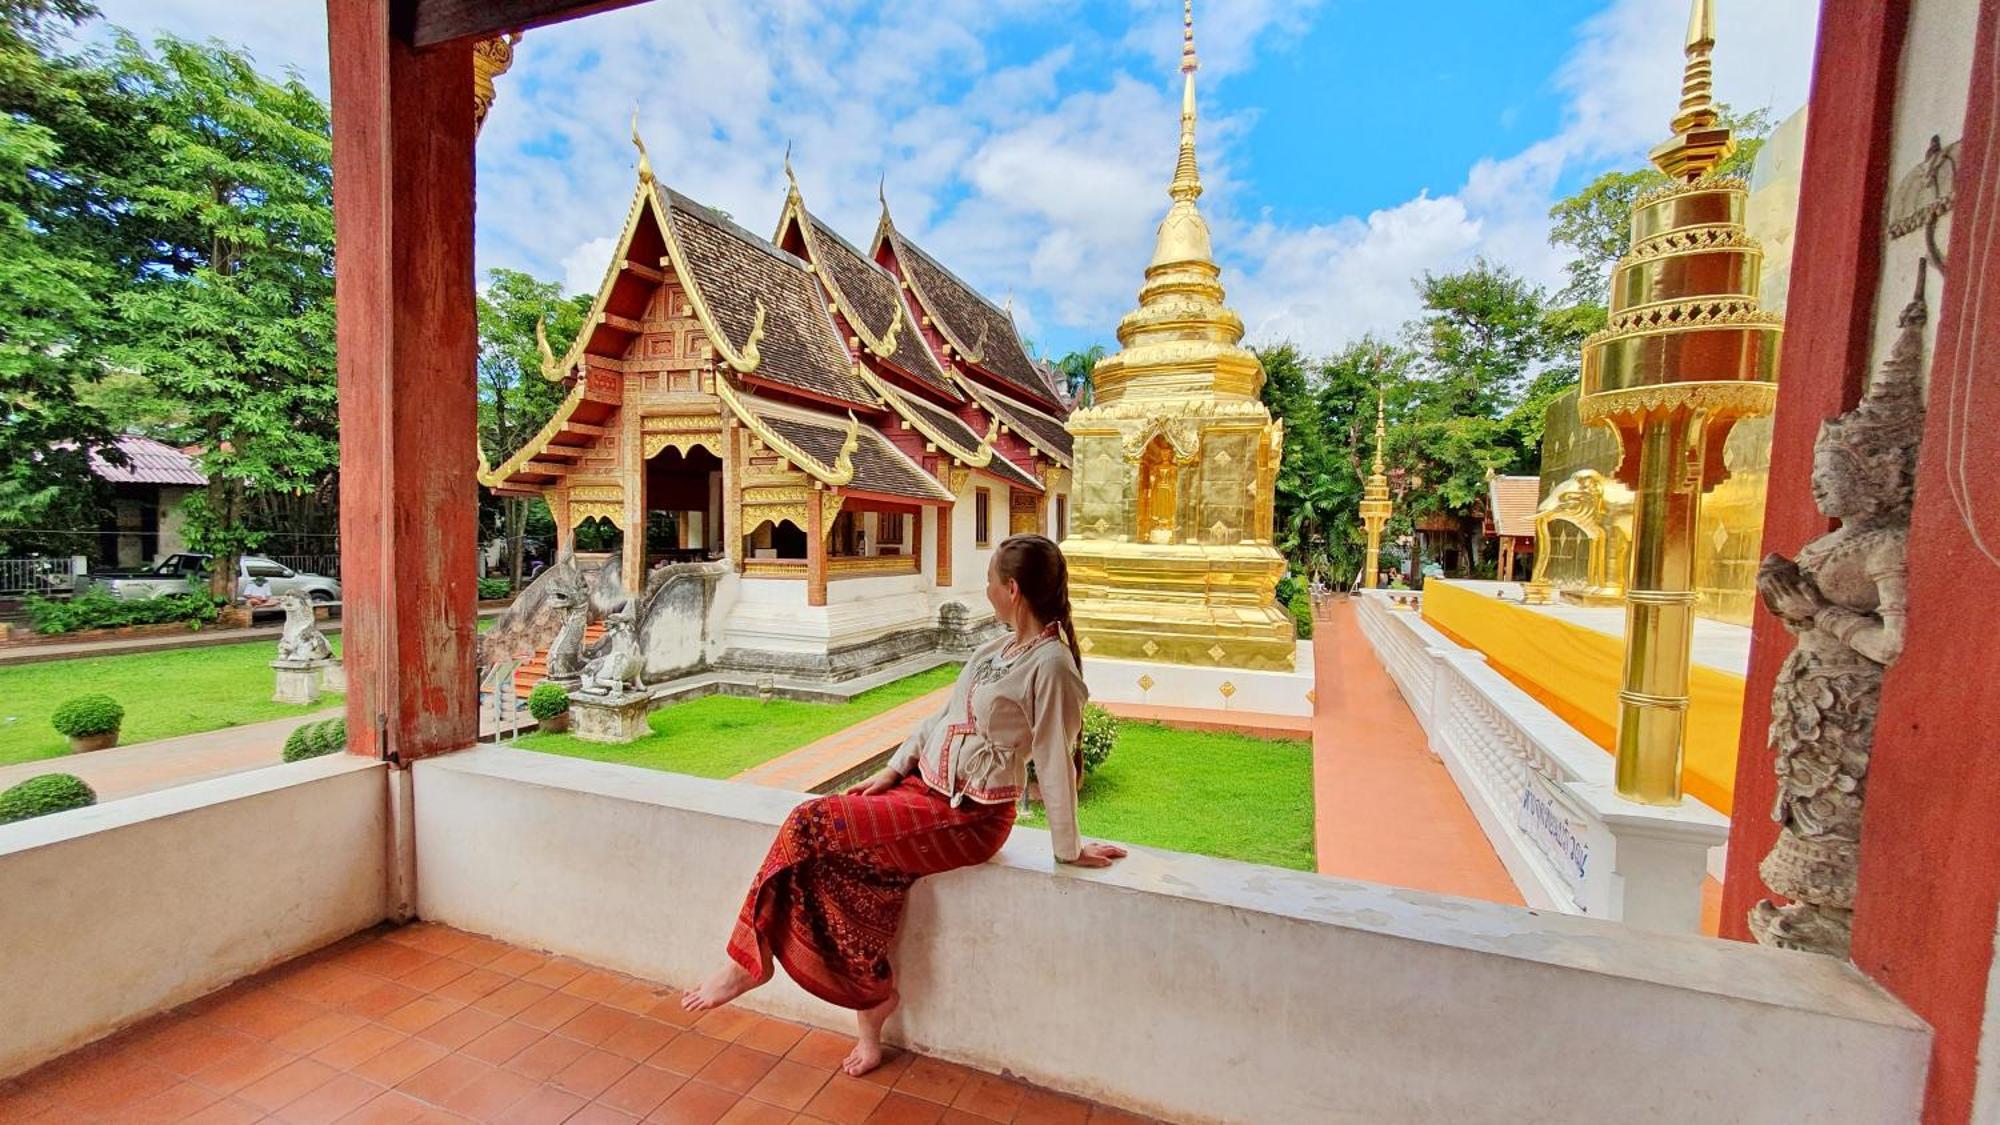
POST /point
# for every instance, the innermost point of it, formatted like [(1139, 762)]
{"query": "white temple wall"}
[(1225, 991)]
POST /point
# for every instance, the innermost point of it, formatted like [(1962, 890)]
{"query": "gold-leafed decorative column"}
[(1375, 503), (1686, 354), (1169, 547)]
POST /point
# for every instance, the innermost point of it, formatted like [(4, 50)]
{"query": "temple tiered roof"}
[(866, 294), (735, 273), (1039, 429), (877, 465), (979, 332)]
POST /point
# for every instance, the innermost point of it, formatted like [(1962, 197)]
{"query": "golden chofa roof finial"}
[(791, 181), (1700, 140), (645, 162)]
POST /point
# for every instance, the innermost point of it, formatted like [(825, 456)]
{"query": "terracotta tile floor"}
[(1383, 808), (430, 1024)]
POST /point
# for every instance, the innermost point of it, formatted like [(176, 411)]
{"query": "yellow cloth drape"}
[(1574, 671)]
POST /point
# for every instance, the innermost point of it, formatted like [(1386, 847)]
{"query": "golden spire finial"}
[(645, 162), (1699, 142), (1187, 175), (1381, 429), (790, 180)]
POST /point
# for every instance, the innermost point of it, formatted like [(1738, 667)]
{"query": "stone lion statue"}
[(301, 641), (620, 667)]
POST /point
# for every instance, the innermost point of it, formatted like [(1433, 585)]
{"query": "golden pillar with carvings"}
[(1687, 353), (1375, 503), (1169, 543)]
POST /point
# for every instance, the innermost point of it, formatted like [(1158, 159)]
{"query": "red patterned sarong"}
[(830, 895)]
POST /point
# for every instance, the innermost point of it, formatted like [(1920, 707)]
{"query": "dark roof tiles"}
[(872, 293), (734, 270), (971, 319), (878, 465)]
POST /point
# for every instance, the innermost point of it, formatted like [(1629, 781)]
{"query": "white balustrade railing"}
[(1542, 792)]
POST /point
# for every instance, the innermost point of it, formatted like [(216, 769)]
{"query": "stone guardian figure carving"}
[(301, 640), (572, 599), (1843, 598), (621, 666)]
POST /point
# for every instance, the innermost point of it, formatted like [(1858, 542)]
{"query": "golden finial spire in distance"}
[(1187, 176), (645, 162), (791, 181), (1381, 430), (1699, 142)]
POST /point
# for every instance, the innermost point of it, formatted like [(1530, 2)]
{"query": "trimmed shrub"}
[(1100, 737), (87, 715), (493, 589), (314, 740), (40, 796), (1287, 588), (1302, 614), (98, 609), (547, 701)]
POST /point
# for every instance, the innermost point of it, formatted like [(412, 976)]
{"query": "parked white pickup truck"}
[(172, 575)]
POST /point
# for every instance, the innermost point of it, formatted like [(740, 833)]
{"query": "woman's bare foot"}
[(867, 1052), (729, 982)]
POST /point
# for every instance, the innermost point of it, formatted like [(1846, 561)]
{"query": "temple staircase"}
[(535, 670)]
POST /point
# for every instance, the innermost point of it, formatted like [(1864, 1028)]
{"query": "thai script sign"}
[(1558, 837)]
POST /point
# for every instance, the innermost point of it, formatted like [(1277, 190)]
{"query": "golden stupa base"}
[(1208, 606)]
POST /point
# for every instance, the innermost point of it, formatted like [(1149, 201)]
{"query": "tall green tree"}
[(232, 320), (515, 401), (62, 251), (1487, 355), (1595, 224)]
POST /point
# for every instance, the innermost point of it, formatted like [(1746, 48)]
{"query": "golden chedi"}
[(1376, 507), (1687, 353), (1169, 548)]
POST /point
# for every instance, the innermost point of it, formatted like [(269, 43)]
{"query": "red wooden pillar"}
[(1829, 322), (406, 339), (943, 526), (1929, 891), (815, 550)]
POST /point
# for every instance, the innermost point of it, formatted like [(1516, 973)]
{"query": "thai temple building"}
[(1170, 556), (837, 438)]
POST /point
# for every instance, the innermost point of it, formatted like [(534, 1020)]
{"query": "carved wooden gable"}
[(672, 353)]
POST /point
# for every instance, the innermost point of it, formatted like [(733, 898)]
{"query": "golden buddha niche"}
[(1169, 548)]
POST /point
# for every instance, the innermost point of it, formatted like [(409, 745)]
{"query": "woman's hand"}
[(877, 783), (1097, 855)]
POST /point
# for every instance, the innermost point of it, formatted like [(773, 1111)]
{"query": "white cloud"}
[(1045, 177)]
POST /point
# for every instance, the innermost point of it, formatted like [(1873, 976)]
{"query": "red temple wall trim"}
[(1829, 324), (1930, 858)]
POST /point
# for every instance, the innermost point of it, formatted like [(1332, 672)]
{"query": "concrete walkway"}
[(842, 752), (1384, 810), (142, 767)]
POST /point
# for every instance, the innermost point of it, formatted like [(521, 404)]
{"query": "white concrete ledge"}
[(1187, 987), (112, 913), (1542, 792)]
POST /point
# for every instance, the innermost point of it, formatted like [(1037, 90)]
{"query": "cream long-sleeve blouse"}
[(1005, 711)]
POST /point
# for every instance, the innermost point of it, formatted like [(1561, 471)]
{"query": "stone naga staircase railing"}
[(1543, 792)]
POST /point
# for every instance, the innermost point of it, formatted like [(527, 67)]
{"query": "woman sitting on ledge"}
[(828, 899)]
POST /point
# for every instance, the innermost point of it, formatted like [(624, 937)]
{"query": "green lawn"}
[(722, 735), (1225, 795), (181, 691)]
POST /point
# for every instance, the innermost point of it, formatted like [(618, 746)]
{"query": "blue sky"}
[(1347, 145)]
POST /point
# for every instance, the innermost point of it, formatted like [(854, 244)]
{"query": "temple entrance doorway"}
[(683, 501), (780, 540)]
